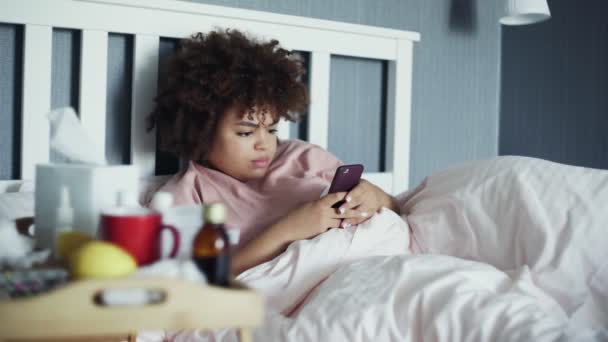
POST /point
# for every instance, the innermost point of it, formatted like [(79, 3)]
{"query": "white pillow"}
[(514, 211)]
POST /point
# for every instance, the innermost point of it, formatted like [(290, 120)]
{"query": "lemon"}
[(68, 242), (99, 259)]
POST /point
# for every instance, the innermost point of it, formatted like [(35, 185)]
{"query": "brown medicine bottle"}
[(211, 248)]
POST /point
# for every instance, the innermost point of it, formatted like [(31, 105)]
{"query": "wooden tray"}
[(72, 311)]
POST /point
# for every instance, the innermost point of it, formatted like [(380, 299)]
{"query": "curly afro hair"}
[(210, 73)]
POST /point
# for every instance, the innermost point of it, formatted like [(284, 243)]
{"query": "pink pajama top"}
[(298, 174)]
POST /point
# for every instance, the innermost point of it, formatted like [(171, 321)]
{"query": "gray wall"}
[(455, 87), (10, 80), (554, 101), (456, 77)]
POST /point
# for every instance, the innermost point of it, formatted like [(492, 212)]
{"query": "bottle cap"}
[(215, 213), (161, 201)]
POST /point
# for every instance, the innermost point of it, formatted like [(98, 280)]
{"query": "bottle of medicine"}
[(211, 247)]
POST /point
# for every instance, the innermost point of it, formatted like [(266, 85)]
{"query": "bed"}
[(498, 250)]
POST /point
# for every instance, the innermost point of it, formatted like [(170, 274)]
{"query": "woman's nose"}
[(262, 142)]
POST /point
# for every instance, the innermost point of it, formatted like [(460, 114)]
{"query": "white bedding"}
[(534, 234), (514, 211)]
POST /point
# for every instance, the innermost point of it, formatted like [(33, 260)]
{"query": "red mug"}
[(138, 231)]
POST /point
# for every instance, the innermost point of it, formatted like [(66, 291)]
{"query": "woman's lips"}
[(260, 163)]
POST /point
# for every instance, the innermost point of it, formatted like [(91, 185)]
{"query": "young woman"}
[(225, 94)]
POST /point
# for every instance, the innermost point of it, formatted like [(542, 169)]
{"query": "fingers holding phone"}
[(330, 201), (359, 216), (365, 198), (346, 179)]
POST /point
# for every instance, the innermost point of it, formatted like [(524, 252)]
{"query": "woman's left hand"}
[(367, 199)]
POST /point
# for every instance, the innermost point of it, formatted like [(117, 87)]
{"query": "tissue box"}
[(92, 188)]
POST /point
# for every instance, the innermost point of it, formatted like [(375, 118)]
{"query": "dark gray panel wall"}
[(10, 105), (455, 90), (166, 163), (299, 129), (65, 66), (456, 71), (118, 101), (356, 111), (554, 86)]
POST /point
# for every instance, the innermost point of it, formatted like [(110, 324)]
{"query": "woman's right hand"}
[(303, 222), (314, 218)]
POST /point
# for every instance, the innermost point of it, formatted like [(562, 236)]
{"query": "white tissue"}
[(16, 250), (92, 184), (69, 139)]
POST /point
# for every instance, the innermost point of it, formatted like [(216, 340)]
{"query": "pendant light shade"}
[(523, 12)]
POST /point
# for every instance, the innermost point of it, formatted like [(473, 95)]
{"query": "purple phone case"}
[(345, 179)]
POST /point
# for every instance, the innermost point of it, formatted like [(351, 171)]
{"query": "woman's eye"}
[(244, 134), (273, 131)]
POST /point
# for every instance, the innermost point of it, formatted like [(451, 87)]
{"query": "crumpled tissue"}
[(69, 139), (16, 251)]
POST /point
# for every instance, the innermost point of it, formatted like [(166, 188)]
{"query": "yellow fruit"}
[(70, 241), (98, 259)]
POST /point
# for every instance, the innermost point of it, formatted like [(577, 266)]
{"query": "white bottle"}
[(162, 202), (64, 216)]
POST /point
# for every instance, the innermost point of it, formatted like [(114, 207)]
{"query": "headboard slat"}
[(318, 120), (93, 83), (402, 69), (145, 77), (37, 55)]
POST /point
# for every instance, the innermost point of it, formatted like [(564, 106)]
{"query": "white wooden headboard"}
[(148, 21)]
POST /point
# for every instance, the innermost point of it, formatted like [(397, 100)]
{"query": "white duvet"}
[(511, 249)]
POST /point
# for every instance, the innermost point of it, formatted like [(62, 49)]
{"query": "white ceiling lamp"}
[(524, 12)]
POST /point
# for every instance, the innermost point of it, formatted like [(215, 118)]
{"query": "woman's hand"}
[(366, 199), (304, 222), (314, 218)]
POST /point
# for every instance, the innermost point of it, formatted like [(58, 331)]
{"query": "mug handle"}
[(176, 239)]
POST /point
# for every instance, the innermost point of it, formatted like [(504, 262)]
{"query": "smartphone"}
[(345, 179)]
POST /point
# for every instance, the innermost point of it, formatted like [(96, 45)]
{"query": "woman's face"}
[(243, 148)]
